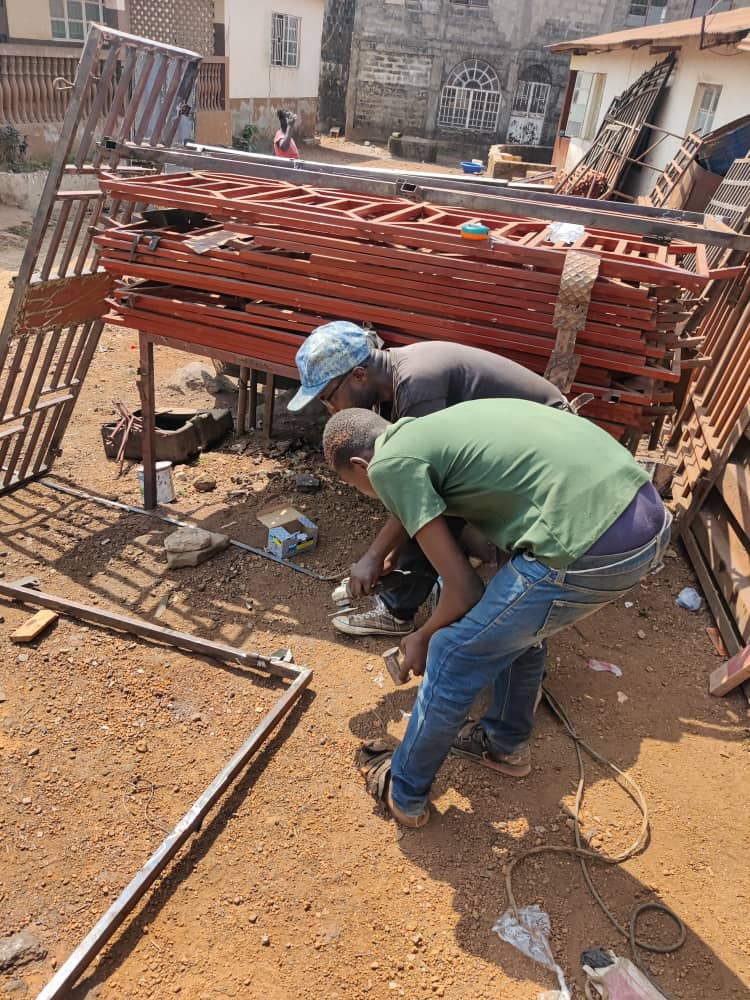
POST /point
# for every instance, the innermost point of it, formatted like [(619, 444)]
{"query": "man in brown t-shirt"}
[(339, 365)]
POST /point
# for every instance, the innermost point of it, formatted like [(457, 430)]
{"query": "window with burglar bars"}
[(470, 98), (72, 18), (285, 40), (531, 98)]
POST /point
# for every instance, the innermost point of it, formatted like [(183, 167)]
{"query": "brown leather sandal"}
[(374, 763)]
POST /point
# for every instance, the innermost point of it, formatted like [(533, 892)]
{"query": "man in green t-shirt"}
[(581, 522)]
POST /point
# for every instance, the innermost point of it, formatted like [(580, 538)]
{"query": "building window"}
[(471, 3), (704, 108), (701, 7), (531, 98), (646, 12), (73, 18), (284, 40), (470, 98), (584, 105)]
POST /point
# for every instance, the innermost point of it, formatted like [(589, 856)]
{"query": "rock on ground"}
[(18, 949), (192, 546)]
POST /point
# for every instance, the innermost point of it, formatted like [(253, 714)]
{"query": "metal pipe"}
[(117, 505)]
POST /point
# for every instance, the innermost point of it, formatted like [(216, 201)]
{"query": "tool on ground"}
[(395, 666), (343, 596)]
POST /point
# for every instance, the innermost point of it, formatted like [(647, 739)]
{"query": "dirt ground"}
[(297, 886)]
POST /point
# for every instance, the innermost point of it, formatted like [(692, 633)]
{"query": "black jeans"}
[(404, 599)]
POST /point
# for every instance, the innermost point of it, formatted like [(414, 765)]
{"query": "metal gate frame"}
[(125, 86)]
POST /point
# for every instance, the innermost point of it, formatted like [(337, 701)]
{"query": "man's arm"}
[(366, 572), (461, 590)]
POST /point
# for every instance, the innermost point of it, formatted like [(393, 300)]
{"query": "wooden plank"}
[(713, 597), (727, 557), (34, 626), (730, 674)]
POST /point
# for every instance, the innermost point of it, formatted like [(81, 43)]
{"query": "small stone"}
[(307, 483), (204, 484), (18, 949), (26, 801), (192, 546), (253, 917), (265, 940), (33, 752), (641, 634), (141, 746)]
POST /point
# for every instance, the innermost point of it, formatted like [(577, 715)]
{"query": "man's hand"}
[(414, 654), (364, 574)]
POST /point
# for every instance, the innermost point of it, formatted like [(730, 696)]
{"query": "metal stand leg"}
[(253, 405), (242, 402), (269, 405), (146, 390)]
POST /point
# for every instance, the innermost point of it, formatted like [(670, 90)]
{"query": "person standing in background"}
[(283, 143)]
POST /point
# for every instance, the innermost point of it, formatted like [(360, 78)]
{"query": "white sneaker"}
[(377, 621)]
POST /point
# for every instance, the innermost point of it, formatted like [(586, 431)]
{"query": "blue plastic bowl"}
[(471, 168)]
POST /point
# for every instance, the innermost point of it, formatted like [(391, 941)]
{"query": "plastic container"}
[(164, 484), (475, 231), (469, 167)]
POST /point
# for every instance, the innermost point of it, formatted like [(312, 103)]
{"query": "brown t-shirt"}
[(431, 376)]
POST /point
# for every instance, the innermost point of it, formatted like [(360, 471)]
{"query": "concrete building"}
[(708, 86), (274, 62), (42, 39), (467, 72)]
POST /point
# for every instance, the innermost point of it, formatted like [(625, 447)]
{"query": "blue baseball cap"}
[(330, 351)]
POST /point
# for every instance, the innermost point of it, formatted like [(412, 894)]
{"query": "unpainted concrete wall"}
[(401, 52)]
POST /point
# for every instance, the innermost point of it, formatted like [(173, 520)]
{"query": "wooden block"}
[(730, 674), (34, 626)]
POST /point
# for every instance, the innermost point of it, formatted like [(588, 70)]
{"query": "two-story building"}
[(41, 42), (466, 72)]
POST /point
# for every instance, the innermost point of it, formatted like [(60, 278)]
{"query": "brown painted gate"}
[(126, 88)]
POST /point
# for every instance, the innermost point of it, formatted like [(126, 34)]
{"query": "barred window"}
[(470, 98), (284, 40), (72, 18), (531, 98), (646, 12)]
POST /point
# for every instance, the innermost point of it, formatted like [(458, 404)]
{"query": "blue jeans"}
[(501, 642)]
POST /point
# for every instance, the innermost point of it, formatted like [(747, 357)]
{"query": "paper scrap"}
[(602, 667)]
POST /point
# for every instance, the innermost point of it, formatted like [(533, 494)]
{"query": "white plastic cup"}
[(164, 485)]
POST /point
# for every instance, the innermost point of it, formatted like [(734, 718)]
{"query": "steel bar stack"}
[(257, 264)]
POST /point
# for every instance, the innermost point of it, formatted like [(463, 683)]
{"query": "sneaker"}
[(472, 742), (377, 621)]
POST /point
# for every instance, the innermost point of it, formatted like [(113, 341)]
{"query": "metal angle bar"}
[(647, 222), (287, 168), (106, 926), (117, 505), (103, 930), (23, 591)]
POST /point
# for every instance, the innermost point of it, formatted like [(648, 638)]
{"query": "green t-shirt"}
[(530, 477)]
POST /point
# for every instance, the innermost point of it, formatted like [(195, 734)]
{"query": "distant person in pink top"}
[(283, 143)]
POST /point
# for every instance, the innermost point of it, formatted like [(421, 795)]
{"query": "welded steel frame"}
[(23, 591), (658, 224), (136, 89)]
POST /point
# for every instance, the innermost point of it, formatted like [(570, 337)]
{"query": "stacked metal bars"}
[(619, 142), (710, 449), (128, 87), (316, 254)]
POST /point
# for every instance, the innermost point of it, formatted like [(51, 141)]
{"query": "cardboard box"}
[(289, 531)]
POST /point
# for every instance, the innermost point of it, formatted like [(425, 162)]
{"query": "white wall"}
[(248, 34), (724, 66)]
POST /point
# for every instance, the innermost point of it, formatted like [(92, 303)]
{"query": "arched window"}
[(470, 98)]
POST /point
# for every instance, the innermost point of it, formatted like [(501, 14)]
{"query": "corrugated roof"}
[(732, 24)]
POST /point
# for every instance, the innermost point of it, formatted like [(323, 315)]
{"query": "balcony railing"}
[(35, 84), (212, 84)]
